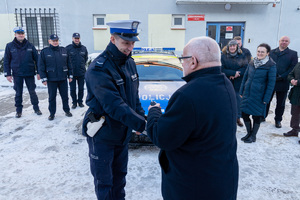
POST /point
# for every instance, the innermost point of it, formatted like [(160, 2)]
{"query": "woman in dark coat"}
[(294, 97), (234, 65), (256, 90)]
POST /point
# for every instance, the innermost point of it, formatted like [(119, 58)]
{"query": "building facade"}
[(168, 23)]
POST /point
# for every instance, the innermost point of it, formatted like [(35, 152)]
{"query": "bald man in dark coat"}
[(197, 133)]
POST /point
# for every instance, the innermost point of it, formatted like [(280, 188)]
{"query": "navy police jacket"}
[(112, 91), (197, 137), (285, 62), (54, 64), (78, 55), (20, 59)]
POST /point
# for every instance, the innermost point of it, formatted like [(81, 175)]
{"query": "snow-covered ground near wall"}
[(48, 160)]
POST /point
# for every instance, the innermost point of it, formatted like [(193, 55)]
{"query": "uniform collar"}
[(19, 44), (54, 48), (75, 45), (117, 56), (202, 73)]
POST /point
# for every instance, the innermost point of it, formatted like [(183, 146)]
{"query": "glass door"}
[(223, 32)]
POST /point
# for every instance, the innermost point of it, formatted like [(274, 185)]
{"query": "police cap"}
[(76, 35), (19, 30), (126, 29), (53, 37)]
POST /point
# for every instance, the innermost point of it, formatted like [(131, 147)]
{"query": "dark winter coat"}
[(78, 55), (285, 62), (294, 95), (54, 64), (20, 58), (232, 64), (247, 53), (257, 88), (112, 84), (197, 137)]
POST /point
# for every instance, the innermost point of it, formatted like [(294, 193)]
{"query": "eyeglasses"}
[(186, 57), (183, 57)]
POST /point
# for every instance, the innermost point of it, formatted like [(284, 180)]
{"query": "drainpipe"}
[(279, 22), (9, 25)]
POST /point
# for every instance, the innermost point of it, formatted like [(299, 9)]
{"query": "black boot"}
[(248, 128), (252, 138)]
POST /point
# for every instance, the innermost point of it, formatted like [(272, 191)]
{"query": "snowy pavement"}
[(48, 160)]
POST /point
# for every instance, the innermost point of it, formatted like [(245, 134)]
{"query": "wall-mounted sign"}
[(229, 28), (196, 17), (229, 36)]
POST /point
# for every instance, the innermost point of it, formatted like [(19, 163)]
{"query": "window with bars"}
[(39, 24)]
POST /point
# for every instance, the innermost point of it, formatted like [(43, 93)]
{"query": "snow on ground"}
[(48, 160)]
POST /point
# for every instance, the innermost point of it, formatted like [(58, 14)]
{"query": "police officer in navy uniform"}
[(112, 85), (20, 64), (78, 55), (54, 69)]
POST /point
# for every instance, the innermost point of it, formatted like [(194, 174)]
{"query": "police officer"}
[(78, 56), (20, 64), (54, 69), (112, 85)]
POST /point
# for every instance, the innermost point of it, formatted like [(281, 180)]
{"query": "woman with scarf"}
[(256, 90), (234, 65)]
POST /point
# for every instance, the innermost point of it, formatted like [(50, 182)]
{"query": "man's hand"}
[(38, 77), (45, 83), (156, 105), (237, 74), (9, 78), (294, 82), (138, 133), (70, 80)]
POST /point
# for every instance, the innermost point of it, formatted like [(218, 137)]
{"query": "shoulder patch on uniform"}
[(100, 62)]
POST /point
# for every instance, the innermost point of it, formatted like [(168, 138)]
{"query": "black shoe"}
[(51, 117), (38, 112), (68, 114), (278, 124), (291, 133), (299, 141), (74, 106), (81, 105), (18, 115)]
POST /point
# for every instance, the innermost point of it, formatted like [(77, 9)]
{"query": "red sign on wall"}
[(229, 28), (196, 17)]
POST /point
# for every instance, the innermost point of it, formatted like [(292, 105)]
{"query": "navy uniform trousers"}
[(18, 87), (80, 82), (109, 172), (62, 87)]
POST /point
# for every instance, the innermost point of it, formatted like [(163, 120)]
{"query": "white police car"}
[(160, 75)]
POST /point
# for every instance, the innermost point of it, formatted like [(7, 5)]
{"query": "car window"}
[(158, 73)]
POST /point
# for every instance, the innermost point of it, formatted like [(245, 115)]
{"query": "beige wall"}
[(7, 23), (101, 37), (160, 33)]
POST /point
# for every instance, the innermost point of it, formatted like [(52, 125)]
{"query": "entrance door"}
[(223, 32)]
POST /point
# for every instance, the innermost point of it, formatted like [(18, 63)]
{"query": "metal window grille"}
[(39, 24)]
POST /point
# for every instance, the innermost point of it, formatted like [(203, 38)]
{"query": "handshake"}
[(153, 104)]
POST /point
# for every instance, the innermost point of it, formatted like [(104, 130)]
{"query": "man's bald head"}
[(206, 50), (284, 42)]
